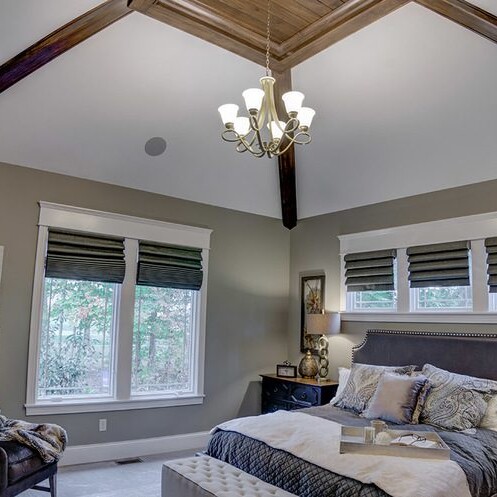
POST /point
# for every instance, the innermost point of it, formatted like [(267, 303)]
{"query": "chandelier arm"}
[(227, 133), (307, 138), (244, 145)]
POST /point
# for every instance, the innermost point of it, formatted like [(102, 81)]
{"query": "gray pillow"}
[(395, 398), (455, 401), (362, 383)]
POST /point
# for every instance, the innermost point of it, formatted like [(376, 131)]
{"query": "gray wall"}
[(246, 312), (315, 248)]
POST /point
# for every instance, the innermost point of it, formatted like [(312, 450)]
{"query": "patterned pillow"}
[(455, 401), (362, 384)]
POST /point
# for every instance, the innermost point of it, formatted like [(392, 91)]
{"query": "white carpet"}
[(109, 479)]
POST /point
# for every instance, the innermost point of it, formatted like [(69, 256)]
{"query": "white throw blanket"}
[(317, 441)]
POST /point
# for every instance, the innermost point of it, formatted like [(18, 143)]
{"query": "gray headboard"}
[(465, 353)]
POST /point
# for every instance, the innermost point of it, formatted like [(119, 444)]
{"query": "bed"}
[(475, 453)]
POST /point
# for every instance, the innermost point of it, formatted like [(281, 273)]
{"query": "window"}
[(118, 316), (370, 280), (456, 298), (373, 300), (77, 341), (439, 276), (162, 340), (452, 281)]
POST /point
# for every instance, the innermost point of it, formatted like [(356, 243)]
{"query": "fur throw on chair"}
[(47, 440)]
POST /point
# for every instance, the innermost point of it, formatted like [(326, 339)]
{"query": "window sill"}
[(79, 406), (421, 317)]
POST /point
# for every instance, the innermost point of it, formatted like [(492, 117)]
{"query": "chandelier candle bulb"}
[(305, 116), (242, 125), (253, 99), (293, 102), (277, 129), (228, 113)]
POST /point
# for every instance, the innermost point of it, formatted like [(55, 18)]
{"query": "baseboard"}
[(82, 454)]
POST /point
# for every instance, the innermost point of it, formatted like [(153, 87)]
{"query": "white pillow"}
[(489, 421), (343, 377)]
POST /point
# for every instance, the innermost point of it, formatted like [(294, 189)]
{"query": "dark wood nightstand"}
[(294, 393)]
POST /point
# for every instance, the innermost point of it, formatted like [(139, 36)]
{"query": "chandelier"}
[(262, 132)]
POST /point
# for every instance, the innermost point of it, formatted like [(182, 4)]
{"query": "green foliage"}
[(162, 339), (76, 338), (76, 343)]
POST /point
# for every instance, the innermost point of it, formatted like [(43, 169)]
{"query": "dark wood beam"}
[(286, 162), (466, 14), (194, 18), (60, 41)]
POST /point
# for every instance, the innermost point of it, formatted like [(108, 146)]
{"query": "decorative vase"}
[(308, 367)]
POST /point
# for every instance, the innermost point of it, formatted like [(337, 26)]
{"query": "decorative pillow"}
[(489, 420), (423, 395), (343, 376), (395, 398), (362, 383), (455, 401)]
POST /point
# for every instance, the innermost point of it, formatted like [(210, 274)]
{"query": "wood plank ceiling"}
[(299, 30)]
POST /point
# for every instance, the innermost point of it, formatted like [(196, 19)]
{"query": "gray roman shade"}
[(169, 266), (81, 256), (442, 264), (366, 271), (491, 246)]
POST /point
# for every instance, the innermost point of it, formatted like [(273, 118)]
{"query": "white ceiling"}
[(407, 105)]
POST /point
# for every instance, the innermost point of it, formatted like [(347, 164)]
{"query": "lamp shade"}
[(228, 113), (305, 116), (327, 323)]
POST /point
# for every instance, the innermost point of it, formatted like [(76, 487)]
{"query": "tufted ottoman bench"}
[(206, 476)]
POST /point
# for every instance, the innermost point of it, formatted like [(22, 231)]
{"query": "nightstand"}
[(289, 394)]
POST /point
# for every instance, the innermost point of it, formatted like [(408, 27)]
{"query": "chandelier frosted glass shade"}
[(263, 132)]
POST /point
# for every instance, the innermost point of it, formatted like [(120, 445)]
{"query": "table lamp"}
[(324, 324)]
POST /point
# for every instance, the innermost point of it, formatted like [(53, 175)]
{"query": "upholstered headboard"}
[(464, 353)]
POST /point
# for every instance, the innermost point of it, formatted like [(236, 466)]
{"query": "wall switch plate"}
[(102, 424)]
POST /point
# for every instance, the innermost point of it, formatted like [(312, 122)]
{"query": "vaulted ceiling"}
[(405, 105)]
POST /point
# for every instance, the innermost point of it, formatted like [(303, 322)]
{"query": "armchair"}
[(22, 469)]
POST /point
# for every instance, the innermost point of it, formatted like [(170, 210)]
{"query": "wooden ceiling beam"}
[(466, 14), (286, 162), (351, 17), (199, 21), (61, 40)]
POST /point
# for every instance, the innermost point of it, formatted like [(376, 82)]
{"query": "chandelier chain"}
[(268, 35)]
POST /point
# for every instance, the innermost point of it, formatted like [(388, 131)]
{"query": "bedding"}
[(475, 454), (395, 398), (455, 401), (362, 382)]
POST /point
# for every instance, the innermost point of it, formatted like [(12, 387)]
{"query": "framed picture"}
[(312, 302), (286, 371)]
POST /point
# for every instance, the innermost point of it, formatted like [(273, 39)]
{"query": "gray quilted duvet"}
[(476, 454)]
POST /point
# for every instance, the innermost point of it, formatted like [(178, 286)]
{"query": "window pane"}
[(162, 340), (76, 342), (444, 298), (374, 300), (492, 304)]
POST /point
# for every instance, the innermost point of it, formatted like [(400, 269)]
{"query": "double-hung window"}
[(439, 277), (370, 280), (118, 316)]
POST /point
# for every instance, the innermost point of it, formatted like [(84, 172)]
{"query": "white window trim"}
[(474, 228), (133, 229)]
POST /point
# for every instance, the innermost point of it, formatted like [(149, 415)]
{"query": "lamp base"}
[(323, 345), (308, 367)]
